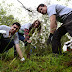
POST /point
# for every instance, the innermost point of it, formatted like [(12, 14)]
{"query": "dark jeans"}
[(66, 27), (5, 44)]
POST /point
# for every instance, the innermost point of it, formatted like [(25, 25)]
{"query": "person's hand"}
[(49, 40), (29, 41), (2, 31), (22, 59)]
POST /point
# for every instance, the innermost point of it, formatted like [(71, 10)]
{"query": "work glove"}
[(49, 40)]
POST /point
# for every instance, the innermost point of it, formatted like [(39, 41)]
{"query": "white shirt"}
[(7, 28), (58, 10), (25, 26)]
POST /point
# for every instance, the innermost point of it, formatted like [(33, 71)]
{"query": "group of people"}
[(10, 36), (16, 32)]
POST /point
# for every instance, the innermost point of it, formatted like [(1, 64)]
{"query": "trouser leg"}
[(68, 24), (66, 27), (1, 37), (56, 45), (6, 44)]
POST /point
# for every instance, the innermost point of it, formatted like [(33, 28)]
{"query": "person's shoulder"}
[(56, 5), (53, 5), (4, 26), (28, 23)]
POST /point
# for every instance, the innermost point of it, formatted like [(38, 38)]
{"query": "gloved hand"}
[(50, 38)]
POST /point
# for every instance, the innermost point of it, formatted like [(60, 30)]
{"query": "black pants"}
[(5, 44), (66, 27)]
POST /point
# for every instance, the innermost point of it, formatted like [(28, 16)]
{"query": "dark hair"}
[(18, 24), (40, 5), (38, 28)]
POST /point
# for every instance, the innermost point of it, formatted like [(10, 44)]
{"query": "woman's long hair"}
[(38, 27)]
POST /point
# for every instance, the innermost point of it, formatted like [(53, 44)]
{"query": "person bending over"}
[(9, 38), (56, 13)]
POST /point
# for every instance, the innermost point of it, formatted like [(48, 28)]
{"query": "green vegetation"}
[(41, 60), (46, 63)]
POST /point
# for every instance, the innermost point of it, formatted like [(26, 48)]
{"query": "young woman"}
[(27, 30)]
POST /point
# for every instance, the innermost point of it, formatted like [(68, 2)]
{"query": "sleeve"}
[(2, 27), (28, 25), (51, 10), (16, 38), (26, 33)]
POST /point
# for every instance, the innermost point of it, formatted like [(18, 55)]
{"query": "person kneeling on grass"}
[(9, 38), (26, 32)]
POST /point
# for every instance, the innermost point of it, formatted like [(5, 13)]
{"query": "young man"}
[(9, 38), (56, 13)]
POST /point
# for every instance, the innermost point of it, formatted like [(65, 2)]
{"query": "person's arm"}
[(53, 26), (53, 23), (19, 51)]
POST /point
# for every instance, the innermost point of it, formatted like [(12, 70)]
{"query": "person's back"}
[(58, 10), (25, 26)]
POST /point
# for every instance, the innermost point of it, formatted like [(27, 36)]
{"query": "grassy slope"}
[(49, 63)]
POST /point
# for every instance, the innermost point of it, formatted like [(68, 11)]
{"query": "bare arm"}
[(53, 23), (19, 51)]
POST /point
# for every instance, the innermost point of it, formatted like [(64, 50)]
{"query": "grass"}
[(46, 63)]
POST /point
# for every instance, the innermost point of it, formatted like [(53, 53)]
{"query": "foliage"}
[(6, 19), (47, 63), (42, 59)]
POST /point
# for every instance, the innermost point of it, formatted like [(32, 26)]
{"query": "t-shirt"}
[(26, 26), (24, 30), (58, 10), (6, 35)]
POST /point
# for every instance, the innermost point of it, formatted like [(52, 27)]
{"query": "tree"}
[(6, 19)]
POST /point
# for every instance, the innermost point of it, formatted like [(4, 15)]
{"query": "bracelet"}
[(23, 59)]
